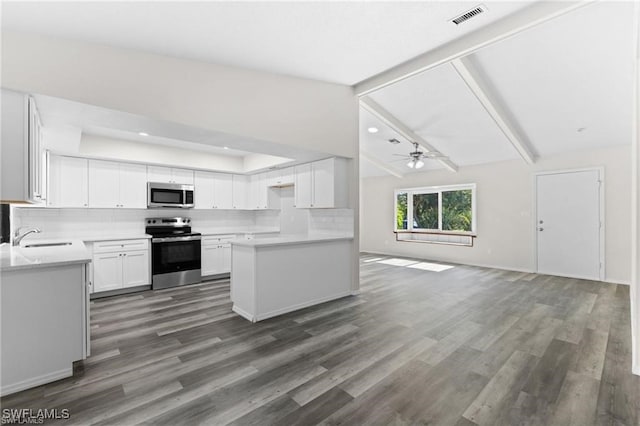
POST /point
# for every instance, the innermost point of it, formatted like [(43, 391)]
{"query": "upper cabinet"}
[(117, 185), (281, 177), (258, 192), (68, 177), (213, 190), (240, 190), (322, 184), (22, 156), (169, 175)]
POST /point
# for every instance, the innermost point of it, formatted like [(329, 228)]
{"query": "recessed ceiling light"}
[(225, 147), (372, 130), (143, 134), (581, 129)]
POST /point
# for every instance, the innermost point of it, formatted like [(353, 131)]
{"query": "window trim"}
[(438, 189)]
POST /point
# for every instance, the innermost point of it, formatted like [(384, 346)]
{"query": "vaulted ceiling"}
[(563, 85)]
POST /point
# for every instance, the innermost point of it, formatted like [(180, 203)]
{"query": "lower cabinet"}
[(120, 264), (216, 255)]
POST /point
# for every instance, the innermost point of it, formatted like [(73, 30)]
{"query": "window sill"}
[(448, 238)]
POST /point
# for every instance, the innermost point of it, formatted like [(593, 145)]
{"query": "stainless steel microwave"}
[(169, 195)]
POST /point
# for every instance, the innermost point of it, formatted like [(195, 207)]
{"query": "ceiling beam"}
[(402, 129), (508, 26), (379, 164), (498, 113)]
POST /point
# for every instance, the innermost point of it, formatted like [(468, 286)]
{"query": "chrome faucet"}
[(17, 237)]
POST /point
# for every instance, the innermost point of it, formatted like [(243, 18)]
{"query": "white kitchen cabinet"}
[(135, 268), (240, 191), (322, 184), (281, 177), (303, 186), (216, 255), (21, 162), (204, 185), (67, 182), (169, 175), (133, 186), (213, 190), (107, 271), (258, 192), (222, 191), (117, 185), (120, 264)]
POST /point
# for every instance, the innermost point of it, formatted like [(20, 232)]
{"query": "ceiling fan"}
[(416, 156)]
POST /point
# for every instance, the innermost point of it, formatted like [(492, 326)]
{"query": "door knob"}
[(540, 229)]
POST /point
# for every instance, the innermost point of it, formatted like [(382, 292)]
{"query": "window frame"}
[(439, 189)]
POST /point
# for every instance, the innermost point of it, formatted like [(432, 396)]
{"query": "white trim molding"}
[(634, 293)]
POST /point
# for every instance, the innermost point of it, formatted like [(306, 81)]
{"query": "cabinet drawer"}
[(215, 240), (120, 245)]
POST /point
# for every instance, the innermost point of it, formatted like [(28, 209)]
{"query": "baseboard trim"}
[(36, 381), (302, 305), (482, 265), (244, 314)]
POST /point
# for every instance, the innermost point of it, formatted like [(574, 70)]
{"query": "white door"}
[(67, 182), (103, 184), (133, 186), (107, 271), (303, 188), (182, 176), (323, 183), (159, 174), (240, 191), (222, 191), (204, 187), (135, 268), (568, 224)]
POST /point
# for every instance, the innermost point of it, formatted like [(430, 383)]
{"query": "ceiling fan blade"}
[(401, 155)]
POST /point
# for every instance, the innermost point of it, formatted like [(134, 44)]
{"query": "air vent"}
[(394, 141), (469, 14)]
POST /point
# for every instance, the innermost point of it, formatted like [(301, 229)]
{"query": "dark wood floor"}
[(458, 347)]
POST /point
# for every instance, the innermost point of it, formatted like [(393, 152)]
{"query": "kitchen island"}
[(273, 276), (44, 312)]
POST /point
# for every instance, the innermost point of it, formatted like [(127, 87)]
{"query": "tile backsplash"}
[(74, 223)]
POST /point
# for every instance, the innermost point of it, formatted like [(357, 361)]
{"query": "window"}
[(438, 209)]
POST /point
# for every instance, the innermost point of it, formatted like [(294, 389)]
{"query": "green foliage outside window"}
[(425, 211), (456, 210), (401, 211)]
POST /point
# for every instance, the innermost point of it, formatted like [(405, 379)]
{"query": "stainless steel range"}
[(175, 252)]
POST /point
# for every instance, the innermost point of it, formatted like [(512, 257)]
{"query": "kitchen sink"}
[(36, 245)]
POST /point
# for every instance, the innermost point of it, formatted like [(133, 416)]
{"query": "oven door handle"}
[(176, 239)]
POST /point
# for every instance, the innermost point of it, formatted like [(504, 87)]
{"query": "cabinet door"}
[(159, 174), (204, 189), (323, 183), (261, 191), (35, 153), (183, 176), (210, 260), (225, 258), (287, 176), (253, 193), (135, 268), (222, 191), (107, 271), (302, 191), (240, 189), (104, 184), (133, 186), (68, 182)]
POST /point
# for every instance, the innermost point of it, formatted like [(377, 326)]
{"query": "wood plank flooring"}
[(464, 346)]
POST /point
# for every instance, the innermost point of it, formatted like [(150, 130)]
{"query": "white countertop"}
[(290, 239), (17, 258), (225, 231)]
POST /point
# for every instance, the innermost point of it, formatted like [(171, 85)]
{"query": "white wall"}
[(291, 111), (504, 211)]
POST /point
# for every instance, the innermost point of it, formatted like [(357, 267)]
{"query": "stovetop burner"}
[(162, 227)]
